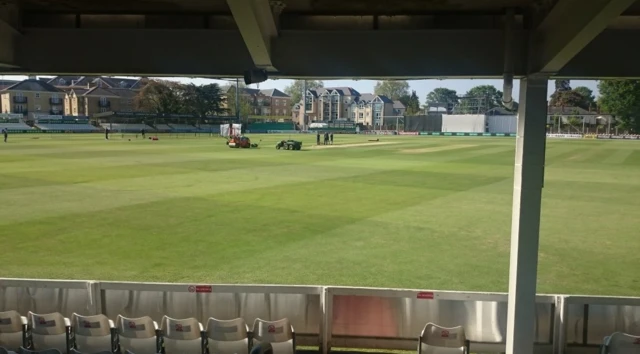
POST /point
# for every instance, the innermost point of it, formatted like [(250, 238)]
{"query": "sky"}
[(422, 87)]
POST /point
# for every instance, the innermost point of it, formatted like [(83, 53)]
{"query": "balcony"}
[(104, 104), (24, 112), (19, 99), (55, 101)]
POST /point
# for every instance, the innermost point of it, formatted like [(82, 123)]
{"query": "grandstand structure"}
[(329, 317), (13, 123)]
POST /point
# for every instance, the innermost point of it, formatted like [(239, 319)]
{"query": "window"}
[(37, 94), (102, 109), (353, 115), (19, 109), (75, 110), (62, 82), (103, 100), (360, 115)]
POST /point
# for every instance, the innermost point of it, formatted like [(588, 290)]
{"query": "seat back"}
[(227, 337), (49, 331), (92, 333), (442, 340), (137, 334), (45, 351), (623, 343), (279, 334), (181, 336), (11, 330)]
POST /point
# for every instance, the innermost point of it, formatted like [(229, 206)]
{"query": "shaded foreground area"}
[(421, 212)]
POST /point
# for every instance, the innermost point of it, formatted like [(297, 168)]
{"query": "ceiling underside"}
[(360, 38)]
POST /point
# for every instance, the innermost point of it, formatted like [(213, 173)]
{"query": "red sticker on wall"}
[(204, 288), (444, 334), (425, 295)]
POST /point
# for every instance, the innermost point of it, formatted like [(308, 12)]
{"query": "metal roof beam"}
[(257, 26), (569, 27)]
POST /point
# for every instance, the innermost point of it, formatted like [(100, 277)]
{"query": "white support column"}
[(525, 227)]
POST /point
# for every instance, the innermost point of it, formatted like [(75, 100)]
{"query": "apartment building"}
[(346, 104), (88, 95), (87, 102), (32, 96), (264, 103)]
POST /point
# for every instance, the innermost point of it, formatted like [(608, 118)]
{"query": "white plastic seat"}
[(12, 330), (138, 335), (228, 337), (279, 334), (181, 336), (442, 340), (93, 333), (621, 343), (49, 331)]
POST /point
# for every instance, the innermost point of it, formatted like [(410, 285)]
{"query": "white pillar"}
[(525, 226)]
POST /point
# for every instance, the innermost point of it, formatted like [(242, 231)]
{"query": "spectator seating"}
[(68, 127), (138, 335), (53, 333), (13, 330), (163, 128), (441, 340), (93, 334), (49, 331), (228, 337), (621, 343), (182, 336), (14, 126), (183, 128), (279, 334), (209, 128), (126, 127)]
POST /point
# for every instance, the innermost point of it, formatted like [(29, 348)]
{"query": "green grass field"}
[(418, 212)]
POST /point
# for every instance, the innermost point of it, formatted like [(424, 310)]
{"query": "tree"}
[(622, 99), (161, 97), (563, 85), (569, 98), (589, 100), (443, 97), (411, 102), (246, 104), (487, 94), (295, 89), (394, 89), (204, 100)]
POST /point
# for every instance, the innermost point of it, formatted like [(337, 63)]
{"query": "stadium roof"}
[(324, 38)]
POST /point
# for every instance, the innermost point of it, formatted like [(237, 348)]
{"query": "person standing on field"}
[(5, 133), (318, 138), (106, 133), (331, 138)]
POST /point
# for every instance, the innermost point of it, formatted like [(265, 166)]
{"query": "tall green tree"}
[(570, 98), (394, 89), (204, 100), (481, 98), (622, 99), (563, 85), (588, 98), (295, 89), (246, 103), (411, 102), (443, 97), (161, 97)]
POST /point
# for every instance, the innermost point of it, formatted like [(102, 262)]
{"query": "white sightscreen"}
[(463, 123), (502, 124), (236, 129)]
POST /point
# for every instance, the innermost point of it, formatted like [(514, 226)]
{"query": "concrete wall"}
[(463, 123)]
